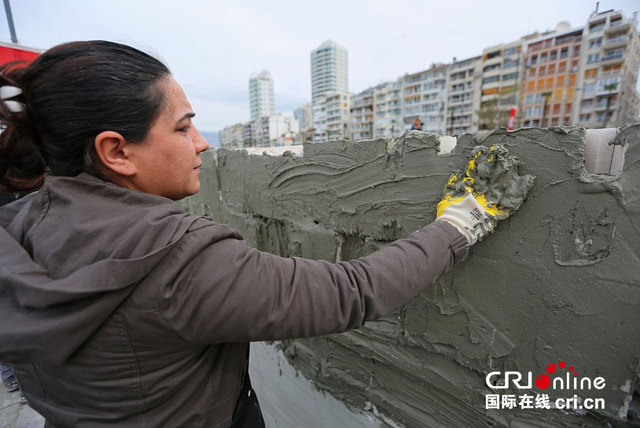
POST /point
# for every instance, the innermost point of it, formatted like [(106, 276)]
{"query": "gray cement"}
[(290, 398), (557, 281)]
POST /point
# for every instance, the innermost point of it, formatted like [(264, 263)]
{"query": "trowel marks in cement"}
[(557, 281)]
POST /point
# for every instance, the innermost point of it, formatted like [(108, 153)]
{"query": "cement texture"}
[(557, 281), (493, 173)]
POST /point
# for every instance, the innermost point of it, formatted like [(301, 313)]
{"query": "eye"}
[(185, 129)]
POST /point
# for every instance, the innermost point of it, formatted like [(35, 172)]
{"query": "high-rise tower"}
[(261, 95), (329, 70)]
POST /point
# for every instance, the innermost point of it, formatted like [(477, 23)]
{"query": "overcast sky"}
[(212, 47)]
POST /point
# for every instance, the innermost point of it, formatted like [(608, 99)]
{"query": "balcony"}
[(612, 59), (603, 106), (455, 90), (618, 42), (618, 28)]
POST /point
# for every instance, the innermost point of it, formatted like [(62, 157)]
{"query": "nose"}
[(199, 142)]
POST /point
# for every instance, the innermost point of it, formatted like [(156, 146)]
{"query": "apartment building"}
[(305, 123), (231, 137), (609, 70), (331, 117), (387, 109), (329, 92), (329, 70), (319, 113), (261, 98), (362, 115), (500, 88), (425, 98), (275, 130), (464, 83), (248, 137), (268, 131), (337, 115), (551, 78), (303, 116)]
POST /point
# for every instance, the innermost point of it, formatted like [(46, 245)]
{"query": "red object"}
[(512, 119), (11, 52)]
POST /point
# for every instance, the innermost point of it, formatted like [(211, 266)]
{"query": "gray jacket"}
[(120, 309)]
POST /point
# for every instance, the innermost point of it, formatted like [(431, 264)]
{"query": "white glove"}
[(469, 217), (490, 189)]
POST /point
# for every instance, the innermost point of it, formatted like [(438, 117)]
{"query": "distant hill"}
[(213, 138)]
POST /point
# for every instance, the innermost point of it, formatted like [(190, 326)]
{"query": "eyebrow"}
[(186, 116)]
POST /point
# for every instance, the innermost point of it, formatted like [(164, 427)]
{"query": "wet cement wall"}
[(558, 281)]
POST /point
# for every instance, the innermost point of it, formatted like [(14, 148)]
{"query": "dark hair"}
[(73, 92)]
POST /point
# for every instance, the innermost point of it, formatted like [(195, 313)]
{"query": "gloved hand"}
[(488, 191)]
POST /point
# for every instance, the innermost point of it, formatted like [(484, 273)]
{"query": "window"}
[(572, 79), (613, 54), (595, 43), (510, 76), (576, 51), (614, 38), (512, 51), (606, 82), (533, 99), (553, 55), (564, 52), (593, 58), (562, 67), (533, 111), (589, 89), (489, 68), (614, 67), (490, 91), (509, 63), (536, 46), (490, 79), (591, 73)]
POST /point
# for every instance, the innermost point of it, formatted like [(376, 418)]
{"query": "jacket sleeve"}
[(231, 292)]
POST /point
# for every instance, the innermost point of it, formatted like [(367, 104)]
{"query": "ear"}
[(113, 150)]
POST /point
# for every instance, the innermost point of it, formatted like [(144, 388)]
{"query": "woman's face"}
[(168, 159)]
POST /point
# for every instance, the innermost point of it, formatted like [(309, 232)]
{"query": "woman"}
[(116, 307)]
